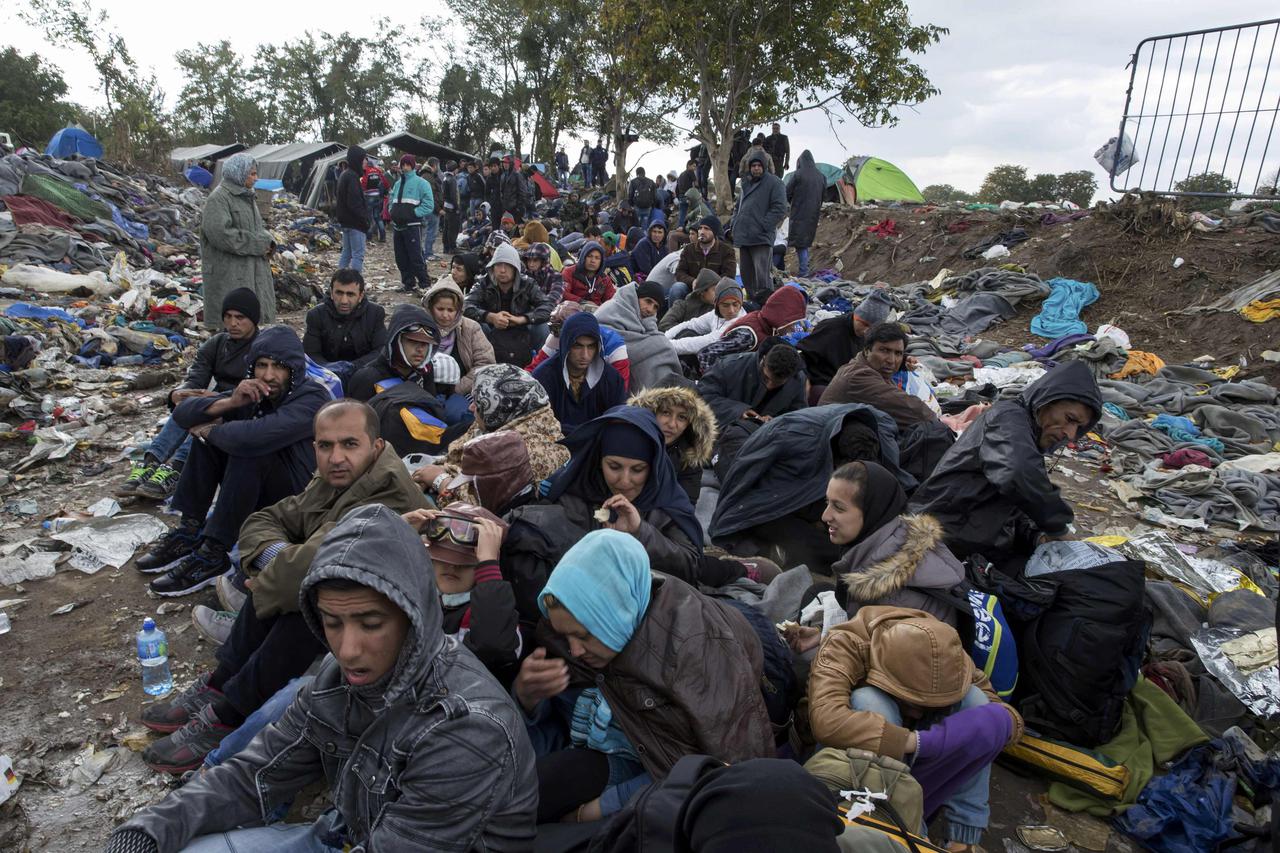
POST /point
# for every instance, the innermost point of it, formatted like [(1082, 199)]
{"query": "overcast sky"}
[(1039, 84)]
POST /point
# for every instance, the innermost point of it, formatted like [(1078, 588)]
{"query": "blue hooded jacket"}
[(603, 388), (662, 491), (266, 428)]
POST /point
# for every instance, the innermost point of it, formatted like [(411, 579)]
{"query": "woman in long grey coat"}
[(235, 247)]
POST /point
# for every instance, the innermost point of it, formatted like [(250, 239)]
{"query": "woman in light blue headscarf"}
[(667, 672), (235, 246)]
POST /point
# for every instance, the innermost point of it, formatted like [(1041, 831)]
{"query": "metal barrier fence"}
[(1201, 114)]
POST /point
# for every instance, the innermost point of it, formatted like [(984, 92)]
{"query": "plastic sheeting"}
[(111, 542), (1259, 690), (1208, 577)]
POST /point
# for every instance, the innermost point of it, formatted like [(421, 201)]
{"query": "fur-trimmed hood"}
[(906, 552), (702, 430)]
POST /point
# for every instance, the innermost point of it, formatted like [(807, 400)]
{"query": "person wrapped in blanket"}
[(402, 384), (618, 692)]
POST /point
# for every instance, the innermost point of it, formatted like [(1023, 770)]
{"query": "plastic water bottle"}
[(153, 654)]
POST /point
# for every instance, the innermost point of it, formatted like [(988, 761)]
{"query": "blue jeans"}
[(678, 291), (430, 228), (172, 442), (643, 215), (374, 205), (353, 243), (269, 712), (802, 255), (968, 810), (277, 838), (457, 409), (586, 175)]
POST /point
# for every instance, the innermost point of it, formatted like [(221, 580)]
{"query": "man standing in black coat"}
[(805, 193), (599, 165), (687, 180), (449, 209), (346, 327), (493, 192), (737, 150), (351, 211), (779, 148)]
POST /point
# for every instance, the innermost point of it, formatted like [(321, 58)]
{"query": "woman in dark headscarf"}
[(891, 558), (235, 247), (620, 469)]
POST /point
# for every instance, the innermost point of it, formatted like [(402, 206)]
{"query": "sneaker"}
[(161, 484), (138, 475), (171, 715), (197, 570), (214, 624), (230, 596), (186, 748), (169, 548)]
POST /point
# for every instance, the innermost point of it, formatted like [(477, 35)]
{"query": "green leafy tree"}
[(31, 105), (468, 112), (335, 87), (1206, 182), (941, 193), (218, 102), (134, 126), (1043, 187), (1005, 182), (1078, 187), (623, 89), (736, 65)]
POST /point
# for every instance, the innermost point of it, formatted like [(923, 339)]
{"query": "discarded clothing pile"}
[(983, 297), (1060, 314), (1257, 301), (1005, 238)]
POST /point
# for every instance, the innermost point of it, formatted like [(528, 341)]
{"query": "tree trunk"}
[(619, 153), (720, 179)]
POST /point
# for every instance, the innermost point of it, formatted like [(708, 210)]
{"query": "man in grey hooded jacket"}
[(421, 747)]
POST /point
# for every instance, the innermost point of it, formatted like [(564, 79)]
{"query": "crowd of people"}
[(463, 574)]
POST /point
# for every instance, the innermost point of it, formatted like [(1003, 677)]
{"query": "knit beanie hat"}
[(245, 301), (729, 287), (508, 217), (651, 290), (706, 279), (711, 222), (875, 308)]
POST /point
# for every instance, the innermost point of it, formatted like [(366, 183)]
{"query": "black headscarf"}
[(582, 476), (882, 499)]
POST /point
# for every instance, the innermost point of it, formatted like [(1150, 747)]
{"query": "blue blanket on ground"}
[(1060, 313)]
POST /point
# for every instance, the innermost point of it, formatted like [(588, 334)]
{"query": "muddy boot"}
[(186, 748), (169, 548), (199, 569), (171, 715)]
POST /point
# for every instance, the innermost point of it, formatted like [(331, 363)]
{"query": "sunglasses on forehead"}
[(453, 528)]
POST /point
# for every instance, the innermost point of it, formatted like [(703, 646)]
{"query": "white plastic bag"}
[(1117, 156)]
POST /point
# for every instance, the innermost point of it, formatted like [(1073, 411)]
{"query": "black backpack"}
[(645, 192), (780, 688), (538, 536), (1081, 656), (373, 181)]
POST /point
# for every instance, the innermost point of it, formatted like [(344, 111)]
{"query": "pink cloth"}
[(1187, 456), (959, 423)]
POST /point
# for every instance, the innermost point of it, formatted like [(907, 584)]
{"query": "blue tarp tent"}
[(73, 140)]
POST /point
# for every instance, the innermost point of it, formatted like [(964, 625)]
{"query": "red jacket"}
[(598, 291)]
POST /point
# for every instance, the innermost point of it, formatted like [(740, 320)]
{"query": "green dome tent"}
[(869, 179)]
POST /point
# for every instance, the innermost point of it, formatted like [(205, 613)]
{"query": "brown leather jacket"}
[(689, 682), (859, 382)]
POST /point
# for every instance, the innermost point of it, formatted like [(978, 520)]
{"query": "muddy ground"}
[(69, 686)]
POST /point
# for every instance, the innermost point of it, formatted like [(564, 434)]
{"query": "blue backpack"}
[(985, 632)]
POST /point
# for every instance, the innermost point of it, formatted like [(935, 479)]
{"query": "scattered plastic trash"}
[(5, 627), (111, 542), (1045, 838), (999, 250), (21, 506), (104, 508), (1259, 690), (1116, 156), (1178, 262), (9, 781), (16, 569)]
